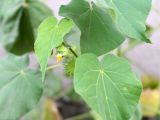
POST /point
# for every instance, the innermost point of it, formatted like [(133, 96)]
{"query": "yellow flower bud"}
[(59, 57)]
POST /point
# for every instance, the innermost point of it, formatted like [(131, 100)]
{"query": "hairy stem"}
[(54, 66)]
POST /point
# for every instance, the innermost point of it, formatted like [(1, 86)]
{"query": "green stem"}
[(119, 52), (71, 50), (80, 117), (54, 66)]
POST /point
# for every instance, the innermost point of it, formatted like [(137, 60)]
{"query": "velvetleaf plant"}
[(107, 83)]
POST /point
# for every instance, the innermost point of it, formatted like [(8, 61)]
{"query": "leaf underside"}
[(130, 16)]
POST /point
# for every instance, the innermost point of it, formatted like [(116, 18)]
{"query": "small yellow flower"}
[(59, 57)]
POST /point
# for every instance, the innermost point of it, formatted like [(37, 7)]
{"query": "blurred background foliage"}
[(19, 20)]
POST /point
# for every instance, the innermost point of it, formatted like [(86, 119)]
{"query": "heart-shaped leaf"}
[(50, 35), (108, 86), (20, 88), (104, 22), (98, 32)]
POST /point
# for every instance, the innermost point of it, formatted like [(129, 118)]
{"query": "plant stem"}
[(53, 66), (72, 51), (119, 52), (79, 117)]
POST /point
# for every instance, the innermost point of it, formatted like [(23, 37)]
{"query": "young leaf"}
[(20, 88), (108, 86), (50, 35), (130, 16), (98, 32)]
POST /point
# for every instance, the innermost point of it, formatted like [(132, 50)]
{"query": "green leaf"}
[(38, 12), (98, 32), (25, 39), (19, 21), (50, 35), (103, 22), (10, 15), (130, 16), (53, 85), (73, 38), (20, 88), (138, 114), (108, 86)]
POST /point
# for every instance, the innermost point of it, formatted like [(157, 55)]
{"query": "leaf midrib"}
[(13, 79)]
